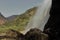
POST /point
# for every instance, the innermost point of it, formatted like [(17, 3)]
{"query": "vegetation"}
[(20, 22)]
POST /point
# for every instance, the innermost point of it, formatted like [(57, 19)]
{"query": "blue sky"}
[(13, 7)]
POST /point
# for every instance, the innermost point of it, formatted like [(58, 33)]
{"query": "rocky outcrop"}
[(53, 23), (2, 19), (36, 34), (12, 35), (33, 34)]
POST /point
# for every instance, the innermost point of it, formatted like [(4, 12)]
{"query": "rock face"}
[(33, 34), (12, 35), (36, 34), (54, 21), (2, 19), (15, 34)]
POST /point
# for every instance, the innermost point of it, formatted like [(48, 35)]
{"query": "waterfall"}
[(41, 16)]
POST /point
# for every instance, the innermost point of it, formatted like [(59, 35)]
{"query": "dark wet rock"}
[(54, 21), (35, 34)]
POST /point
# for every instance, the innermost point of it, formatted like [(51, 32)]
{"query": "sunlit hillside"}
[(18, 22)]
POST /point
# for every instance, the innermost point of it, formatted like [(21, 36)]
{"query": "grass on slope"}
[(20, 22)]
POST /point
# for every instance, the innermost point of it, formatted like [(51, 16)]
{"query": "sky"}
[(15, 7)]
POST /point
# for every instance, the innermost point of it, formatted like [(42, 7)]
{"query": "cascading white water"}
[(41, 16)]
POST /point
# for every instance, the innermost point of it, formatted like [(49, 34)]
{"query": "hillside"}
[(19, 22)]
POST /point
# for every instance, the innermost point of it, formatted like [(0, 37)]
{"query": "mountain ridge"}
[(19, 22)]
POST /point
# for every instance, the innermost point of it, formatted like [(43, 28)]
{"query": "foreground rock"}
[(36, 34), (12, 35), (33, 34)]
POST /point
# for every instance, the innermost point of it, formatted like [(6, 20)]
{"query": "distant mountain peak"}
[(11, 18)]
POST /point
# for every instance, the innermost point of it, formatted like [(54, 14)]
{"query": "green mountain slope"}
[(20, 22)]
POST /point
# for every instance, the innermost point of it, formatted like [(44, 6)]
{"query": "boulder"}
[(36, 34), (12, 35)]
